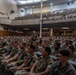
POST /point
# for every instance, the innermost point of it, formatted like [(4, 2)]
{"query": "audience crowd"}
[(31, 55), (3, 16), (48, 14)]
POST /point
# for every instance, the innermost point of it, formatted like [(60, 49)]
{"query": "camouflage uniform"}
[(73, 58), (21, 56), (42, 64), (30, 60), (34, 37), (11, 67), (57, 69), (15, 51)]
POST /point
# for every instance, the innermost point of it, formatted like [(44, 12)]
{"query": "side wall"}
[(6, 6)]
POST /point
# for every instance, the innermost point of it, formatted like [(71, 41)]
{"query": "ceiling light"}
[(37, 0), (51, 4), (75, 2), (33, 6), (25, 7), (26, 29), (45, 28), (29, 1), (65, 27), (22, 2)]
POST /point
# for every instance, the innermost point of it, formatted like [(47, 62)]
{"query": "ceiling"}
[(44, 2), (28, 1)]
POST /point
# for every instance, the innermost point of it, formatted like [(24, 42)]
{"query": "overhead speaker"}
[(68, 3), (22, 10), (12, 11)]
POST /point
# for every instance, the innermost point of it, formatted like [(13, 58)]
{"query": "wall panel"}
[(9, 33)]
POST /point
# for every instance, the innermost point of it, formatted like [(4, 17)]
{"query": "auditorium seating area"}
[(3, 16), (9, 44), (62, 12), (35, 43)]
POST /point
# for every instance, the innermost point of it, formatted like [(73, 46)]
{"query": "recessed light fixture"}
[(26, 29), (45, 28), (65, 27), (25, 7), (33, 6), (75, 2), (51, 4), (22, 2), (29, 1)]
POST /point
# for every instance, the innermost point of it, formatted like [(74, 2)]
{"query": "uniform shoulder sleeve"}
[(71, 72)]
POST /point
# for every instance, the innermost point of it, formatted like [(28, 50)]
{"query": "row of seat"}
[(48, 14)]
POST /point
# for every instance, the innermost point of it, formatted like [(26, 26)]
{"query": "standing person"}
[(62, 66), (34, 36)]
